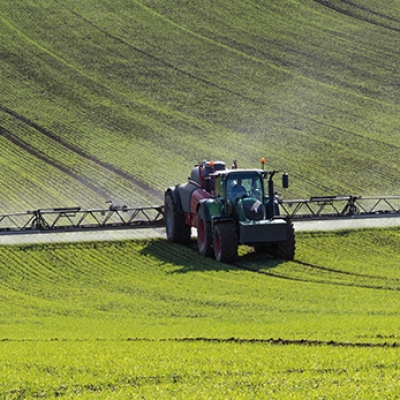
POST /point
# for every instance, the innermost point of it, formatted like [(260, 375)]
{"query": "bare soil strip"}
[(272, 341), (286, 342)]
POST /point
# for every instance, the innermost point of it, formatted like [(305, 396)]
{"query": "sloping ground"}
[(335, 276), (125, 319), (42, 169), (143, 90)]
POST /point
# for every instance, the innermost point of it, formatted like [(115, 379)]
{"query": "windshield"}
[(244, 184)]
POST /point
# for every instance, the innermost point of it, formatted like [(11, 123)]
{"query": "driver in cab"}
[(238, 190)]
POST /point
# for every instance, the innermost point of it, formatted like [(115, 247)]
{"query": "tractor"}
[(229, 207)]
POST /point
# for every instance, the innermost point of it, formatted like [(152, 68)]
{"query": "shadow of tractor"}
[(185, 258)]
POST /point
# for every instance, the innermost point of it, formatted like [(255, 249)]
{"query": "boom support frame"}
[(75, 218), (122, 217), (339, 207)]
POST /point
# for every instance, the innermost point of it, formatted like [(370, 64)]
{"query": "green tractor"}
[(229, 207)]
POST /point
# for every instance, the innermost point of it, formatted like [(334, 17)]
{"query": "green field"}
[(118, 99), (147, 319)]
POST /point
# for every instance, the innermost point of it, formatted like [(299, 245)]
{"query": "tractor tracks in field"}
[(351, 11), (317, 280), (158, 59), (337, 271), (40, 155)]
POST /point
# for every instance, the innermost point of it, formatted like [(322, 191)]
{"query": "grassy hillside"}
[(119, 99), (132, 319)]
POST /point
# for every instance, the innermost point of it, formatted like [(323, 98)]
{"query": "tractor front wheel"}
[(225, 242), (286, 250)]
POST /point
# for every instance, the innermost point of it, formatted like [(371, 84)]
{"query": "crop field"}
[(103, 100), (120, 99), (147, 319)]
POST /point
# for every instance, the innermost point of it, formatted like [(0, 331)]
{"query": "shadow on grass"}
[(186, 258)]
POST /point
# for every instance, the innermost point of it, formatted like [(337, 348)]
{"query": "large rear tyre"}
[(204, 235), (286, 250), (225, 242), (176, 228)]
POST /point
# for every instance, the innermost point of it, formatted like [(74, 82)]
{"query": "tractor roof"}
[(238, 171)]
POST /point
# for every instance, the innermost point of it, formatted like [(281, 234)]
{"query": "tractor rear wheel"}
[(204, 236), (286, 250), (225, 242), (176, 228)]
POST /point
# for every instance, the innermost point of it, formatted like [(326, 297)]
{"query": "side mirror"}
[(285, 181)]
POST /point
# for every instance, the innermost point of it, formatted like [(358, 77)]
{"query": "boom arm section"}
[(75, 218), (123, 217), (339, 207)]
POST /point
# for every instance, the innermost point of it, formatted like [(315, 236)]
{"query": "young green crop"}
[(119, 99), (199, 370), (129, 319), (151, 90), (320, 292)]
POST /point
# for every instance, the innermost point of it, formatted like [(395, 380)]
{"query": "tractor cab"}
[(247, 193), (241, 185), (242, 192)]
